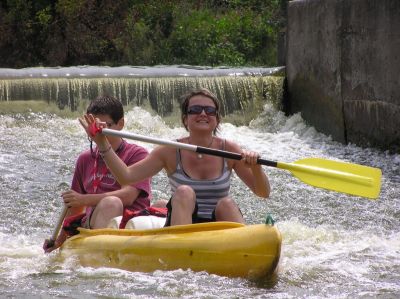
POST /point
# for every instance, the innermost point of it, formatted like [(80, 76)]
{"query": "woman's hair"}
[(106, 105), (185, 99)]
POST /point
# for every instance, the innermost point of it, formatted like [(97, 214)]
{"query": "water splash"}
[(329, 239)]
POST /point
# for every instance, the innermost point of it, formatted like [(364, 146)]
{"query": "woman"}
[(199, 183)]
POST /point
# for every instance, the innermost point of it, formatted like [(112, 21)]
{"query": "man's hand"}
[(73, 199), (50, 245)]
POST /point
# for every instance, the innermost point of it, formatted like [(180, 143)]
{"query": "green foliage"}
[(234, 38), (44, 16), (100, 32)]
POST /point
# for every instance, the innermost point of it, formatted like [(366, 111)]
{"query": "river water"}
[(334, 245)]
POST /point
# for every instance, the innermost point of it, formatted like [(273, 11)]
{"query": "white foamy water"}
[(334, 245)]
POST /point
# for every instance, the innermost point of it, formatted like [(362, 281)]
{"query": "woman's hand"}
[(93, 128), (259, 182), (250, 158)]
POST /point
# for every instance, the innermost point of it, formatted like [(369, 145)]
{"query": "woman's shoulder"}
[(228, 145), (166, 155)]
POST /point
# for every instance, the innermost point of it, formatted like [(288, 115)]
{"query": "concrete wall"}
[(343, 68)]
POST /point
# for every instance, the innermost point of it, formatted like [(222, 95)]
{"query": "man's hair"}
[(106, 105), (195, 92)]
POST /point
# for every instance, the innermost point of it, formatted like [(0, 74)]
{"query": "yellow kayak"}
[(223, 248)]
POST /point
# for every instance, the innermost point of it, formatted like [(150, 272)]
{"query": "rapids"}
[(334, 245)]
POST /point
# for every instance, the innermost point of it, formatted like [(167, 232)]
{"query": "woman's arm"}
[(125, 175), (249, 171), (137, 172)]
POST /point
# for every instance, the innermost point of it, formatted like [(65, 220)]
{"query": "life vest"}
[(149, 211), (71, 224)]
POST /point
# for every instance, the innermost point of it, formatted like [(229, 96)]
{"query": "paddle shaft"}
[(332, 175), (185, 146), (58, 227)]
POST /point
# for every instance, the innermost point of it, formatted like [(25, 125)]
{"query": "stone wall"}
[(343, 68)]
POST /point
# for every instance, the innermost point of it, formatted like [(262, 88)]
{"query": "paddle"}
[(343, 177), (56, 231)]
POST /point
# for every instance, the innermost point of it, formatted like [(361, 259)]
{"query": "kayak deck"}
[(223, 248)]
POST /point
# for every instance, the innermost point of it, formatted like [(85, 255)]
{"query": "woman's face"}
[(201, 114)]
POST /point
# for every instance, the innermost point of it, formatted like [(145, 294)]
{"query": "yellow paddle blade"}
[(343, 177)]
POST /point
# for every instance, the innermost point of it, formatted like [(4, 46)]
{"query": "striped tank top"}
[(208, 192)]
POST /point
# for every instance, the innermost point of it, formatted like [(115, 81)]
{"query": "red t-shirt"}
[(89, 170)]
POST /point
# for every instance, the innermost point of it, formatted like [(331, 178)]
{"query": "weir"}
[(159, 88)]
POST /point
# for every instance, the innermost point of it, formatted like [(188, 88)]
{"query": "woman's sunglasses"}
[(197, 109)]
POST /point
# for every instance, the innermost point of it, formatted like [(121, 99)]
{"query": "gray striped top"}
[(208, 192)]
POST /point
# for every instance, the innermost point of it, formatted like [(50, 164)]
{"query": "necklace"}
[(200, 156)]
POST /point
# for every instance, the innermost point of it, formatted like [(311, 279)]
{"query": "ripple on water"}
[(334, 245)]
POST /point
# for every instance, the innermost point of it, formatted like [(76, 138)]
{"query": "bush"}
[(76, 32)]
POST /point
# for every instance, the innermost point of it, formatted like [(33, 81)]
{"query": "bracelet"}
[(102, 153)]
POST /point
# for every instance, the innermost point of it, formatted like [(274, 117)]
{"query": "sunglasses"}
[(197, 109)]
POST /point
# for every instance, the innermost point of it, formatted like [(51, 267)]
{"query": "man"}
[(95, 196)]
